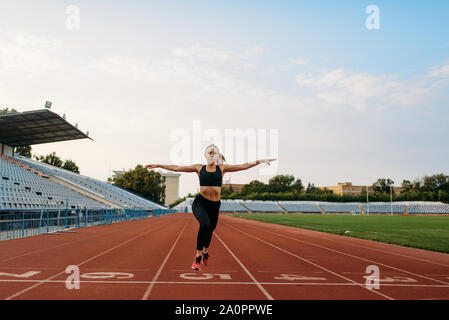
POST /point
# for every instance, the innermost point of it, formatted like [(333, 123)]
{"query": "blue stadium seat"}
[(24, 189), (107, 191)]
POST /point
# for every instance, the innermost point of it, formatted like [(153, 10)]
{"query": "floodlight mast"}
[(367, 204), (391, 199)]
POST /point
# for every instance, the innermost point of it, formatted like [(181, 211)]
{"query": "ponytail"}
[(221, 158)]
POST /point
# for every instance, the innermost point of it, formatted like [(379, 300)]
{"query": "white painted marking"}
[(394, 279), (308, 261), (28, 274), (150, 288), (73, 280), (349, 255), (107, 275), (205, 276), (294, 277), (85, 261), (372, 281), (189, 270), (385, 251), (228, 283), (269, 297)]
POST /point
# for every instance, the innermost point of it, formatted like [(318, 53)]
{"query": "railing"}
[(159, 212), (50, 221)]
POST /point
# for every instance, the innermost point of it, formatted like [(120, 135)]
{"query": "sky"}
[(336, 91)]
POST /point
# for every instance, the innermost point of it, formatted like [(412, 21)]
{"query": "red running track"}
[(250, 260)]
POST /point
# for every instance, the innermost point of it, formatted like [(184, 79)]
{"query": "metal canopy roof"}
[(36, 127)]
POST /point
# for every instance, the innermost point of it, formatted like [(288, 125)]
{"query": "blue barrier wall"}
[(20, 224)]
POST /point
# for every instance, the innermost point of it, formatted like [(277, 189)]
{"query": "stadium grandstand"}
[(36, 197), (300, 206), (256, 206)]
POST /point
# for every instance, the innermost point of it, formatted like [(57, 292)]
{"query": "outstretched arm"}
[(176, 168), (239, 167)]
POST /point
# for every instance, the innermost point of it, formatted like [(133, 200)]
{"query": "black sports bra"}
[(211, 178)]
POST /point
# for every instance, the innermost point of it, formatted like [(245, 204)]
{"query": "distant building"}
[(347, 188), (171, 182), (235, 187)]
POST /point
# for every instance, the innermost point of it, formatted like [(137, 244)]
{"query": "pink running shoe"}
[(197, 263), (205, 259)]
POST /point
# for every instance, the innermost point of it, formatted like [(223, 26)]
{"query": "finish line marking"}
[(225, 283)]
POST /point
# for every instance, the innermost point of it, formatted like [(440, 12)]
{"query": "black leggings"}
[(206, 212)]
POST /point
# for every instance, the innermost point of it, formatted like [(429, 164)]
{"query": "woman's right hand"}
[(151, 166)]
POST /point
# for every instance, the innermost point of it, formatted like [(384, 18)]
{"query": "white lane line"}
[(102, 269), (81, 263), (385, 251), (60, 245), (312, 263), (353, 256), (267, 295), (190, 270), (48, 248), (150, 288), (227, 283)]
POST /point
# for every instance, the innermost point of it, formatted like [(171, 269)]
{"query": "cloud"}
[(134, 103), (440, 72), (208, 52), (196, 77), (28, 56), (341, 88), (30, 40), (203, 52), (29, 66), (199, 75), (300, 62)]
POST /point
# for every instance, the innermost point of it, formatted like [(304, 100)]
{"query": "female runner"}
[(206, 204)]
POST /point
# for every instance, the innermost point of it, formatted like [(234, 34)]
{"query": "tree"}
[(407, 186), (56, 161), (443, 196), (382, 185), (147, 184), (311, 188), (71, 166), (51, 159), (225, 192), (254, 186), (7, 110), (280, 183), (435, 182), (23, 151), (417, 186), (297, 187)]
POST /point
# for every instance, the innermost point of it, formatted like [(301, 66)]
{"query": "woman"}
[(206, 204)]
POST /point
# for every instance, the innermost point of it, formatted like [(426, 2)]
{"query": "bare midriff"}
[(210, 193)]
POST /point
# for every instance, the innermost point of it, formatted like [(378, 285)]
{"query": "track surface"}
[(250, 260)]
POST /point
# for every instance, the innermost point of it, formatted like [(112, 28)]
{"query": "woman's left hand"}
[(267, 161)]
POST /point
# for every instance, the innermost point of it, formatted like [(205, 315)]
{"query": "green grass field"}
[(425, 232)]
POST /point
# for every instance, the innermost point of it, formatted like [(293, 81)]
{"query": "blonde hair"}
[(221, 158)]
